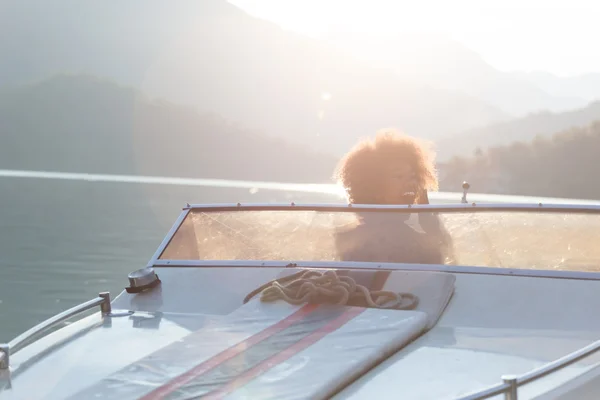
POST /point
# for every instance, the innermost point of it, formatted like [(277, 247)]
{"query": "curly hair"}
[(362, 170)]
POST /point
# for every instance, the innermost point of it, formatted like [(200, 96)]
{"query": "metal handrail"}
[(103, 300), (508, 387), (511, 383), (399, 208)]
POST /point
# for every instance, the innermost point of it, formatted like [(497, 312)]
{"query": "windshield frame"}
[(156, 262)]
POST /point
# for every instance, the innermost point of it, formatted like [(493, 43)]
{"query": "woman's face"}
[(400, 184)]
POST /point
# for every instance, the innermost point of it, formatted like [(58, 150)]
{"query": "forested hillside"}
[(86, 124), (562, 165)]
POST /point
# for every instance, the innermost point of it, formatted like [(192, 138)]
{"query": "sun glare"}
[(504, 32)]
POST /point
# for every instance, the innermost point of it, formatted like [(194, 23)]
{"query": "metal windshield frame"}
[(155, 261)]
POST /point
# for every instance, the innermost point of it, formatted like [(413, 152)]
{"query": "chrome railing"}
[(6, 349), (510, 383)]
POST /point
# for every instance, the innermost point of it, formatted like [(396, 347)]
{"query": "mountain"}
[(445, 63), (77, 123), (219, 59), (562, 165), (585, 86), (520, 129)]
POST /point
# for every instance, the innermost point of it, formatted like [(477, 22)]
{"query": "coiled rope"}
[(328, 287)]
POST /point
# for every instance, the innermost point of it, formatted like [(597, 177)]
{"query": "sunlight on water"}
[(251, 185), (254, 186)]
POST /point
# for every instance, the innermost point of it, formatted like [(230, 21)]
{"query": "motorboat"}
[(351, 302)]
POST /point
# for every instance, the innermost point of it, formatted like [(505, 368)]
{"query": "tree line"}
[(562, 165)]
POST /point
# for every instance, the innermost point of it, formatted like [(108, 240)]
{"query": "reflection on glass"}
[(532, 240)]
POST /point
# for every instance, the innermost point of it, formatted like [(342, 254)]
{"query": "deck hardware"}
[(146, 321), (511, 381), (4, 354), (142, 279), (6, 349), (466, 188), (105, 307)]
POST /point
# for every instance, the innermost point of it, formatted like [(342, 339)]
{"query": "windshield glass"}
[(532, 240)]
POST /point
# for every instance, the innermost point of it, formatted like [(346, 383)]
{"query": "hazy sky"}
[(556, 36)]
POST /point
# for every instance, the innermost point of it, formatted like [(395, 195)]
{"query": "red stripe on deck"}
[(280, 357), (225, 355)]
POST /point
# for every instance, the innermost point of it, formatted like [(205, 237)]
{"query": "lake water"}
[(64, 240)]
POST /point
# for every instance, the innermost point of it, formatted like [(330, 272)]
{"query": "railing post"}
[(4, 356), (511, 393), (105, 307)]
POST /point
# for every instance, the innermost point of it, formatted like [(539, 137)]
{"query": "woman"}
[(391, 169)]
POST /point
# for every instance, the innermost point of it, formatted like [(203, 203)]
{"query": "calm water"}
[(63, 241)]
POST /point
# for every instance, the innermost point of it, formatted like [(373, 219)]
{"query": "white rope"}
[(328, 287)]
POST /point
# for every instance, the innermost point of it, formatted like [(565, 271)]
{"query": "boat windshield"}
[(510, 239)]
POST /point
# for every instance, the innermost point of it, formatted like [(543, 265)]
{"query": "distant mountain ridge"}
[(524, 129), (446, 64), (586, 86), (77, 123), (284, 87), (216, 57), (561, 165)]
